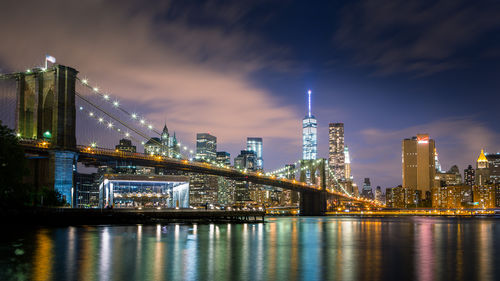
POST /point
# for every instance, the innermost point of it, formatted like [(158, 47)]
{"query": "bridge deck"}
[(98, 156)]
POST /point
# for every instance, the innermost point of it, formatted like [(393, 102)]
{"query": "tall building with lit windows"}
[(309, 134), (336, 153), (418, 165), (347, 164), (206, 147), (255, 145)]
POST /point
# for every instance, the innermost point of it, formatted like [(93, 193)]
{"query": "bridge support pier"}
[(313, 203), (62, 167)]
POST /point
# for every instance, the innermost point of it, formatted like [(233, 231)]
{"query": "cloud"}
[(377, 153), (418, 37), (195, 76)]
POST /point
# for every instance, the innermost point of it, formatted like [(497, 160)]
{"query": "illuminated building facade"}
[(399, 197), (223, 158), (309, 134), (452, 197), (336, 152), (469, 176), (451, 177), (145, 191), (225, 191), (484, 196), (367, 189), (87, 191), (246, 160), (378, 194), (203, 189), (255, 145), (418, 165), (206, 147), (126, 146), (347, 164), (482, 170), (165, 145)]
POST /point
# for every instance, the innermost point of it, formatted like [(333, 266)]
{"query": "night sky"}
[(386, 69)]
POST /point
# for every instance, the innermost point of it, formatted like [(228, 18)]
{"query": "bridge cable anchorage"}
[(133, 116), (143, 135)]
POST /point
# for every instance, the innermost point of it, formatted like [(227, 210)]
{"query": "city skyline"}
[(351, 86)]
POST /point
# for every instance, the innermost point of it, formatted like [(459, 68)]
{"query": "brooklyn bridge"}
[(55, 113)]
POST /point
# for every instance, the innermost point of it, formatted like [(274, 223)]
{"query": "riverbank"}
[(67, 216)]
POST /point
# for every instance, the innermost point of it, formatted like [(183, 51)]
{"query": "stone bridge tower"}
[(46, 106)]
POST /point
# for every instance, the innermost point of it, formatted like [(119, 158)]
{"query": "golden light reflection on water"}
[(87, 254), (43, 256), (282, 249)]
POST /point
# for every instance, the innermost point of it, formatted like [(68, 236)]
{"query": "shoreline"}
[(67, 217)]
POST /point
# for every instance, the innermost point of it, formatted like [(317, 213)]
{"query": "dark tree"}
[(12, 170)]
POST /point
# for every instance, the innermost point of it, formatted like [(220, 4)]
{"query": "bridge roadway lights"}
[(313, 203)]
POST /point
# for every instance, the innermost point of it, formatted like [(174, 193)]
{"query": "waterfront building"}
[(223, 158), (255, 145), (309, 134), (246, 160), (242, 193), (469, 176), (418, 165), (367, 189), (485, 196), (125, 145), (400, 197), (145, 191), (206, 147), (203, 189), (226, 191), (451, 197), (336, 151), (87, 190)]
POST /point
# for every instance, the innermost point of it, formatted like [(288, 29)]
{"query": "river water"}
[(284, 248)]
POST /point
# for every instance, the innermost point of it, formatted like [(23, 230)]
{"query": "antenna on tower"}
[(309, 102)]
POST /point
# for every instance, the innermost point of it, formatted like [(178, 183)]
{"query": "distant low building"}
[(126, 146)]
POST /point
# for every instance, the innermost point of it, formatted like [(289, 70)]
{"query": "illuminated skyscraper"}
[(309, 134), (347, 163), (206, 147), (255, 145), (418, 164), (469, 176), (336, 154)]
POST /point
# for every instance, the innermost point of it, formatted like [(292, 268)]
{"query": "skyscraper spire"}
[(309, 102), (309, 133)]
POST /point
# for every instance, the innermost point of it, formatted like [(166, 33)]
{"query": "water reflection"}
[(43, 257), (282, 249)]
